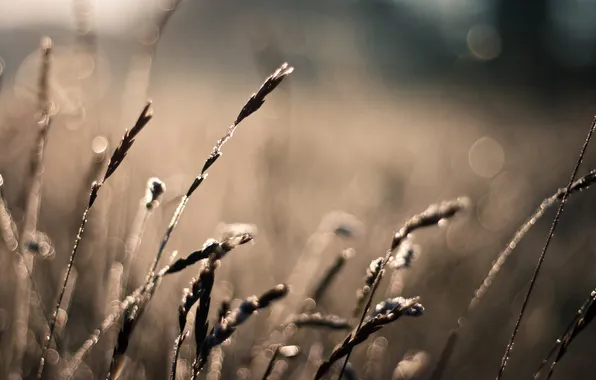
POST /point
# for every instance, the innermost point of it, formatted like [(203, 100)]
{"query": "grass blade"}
[(115, 161), (544, 249)]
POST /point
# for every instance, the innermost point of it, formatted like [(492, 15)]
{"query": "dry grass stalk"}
[(8, 227), (153, 193), (122, 149), (429, 217), (201, 325), (410, 307), (217, 355), (269, 368), (211, 253), (372, 272), (582, 319), (304, 320), (24, 265), (252, 105), (10, 236), (116, 159), (387, 306), (333, 225), (579, 185), (226, 327), (216, 250), (404, 257), (130, 320), (63, 312), (317, 320), (140, 295), (198, 291), (154, 190), (331, 274), (544, 249), (114, 288)]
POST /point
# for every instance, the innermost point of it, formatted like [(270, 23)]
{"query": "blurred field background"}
[(394, 105)]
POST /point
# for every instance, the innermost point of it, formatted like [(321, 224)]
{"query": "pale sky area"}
[(111, 16)]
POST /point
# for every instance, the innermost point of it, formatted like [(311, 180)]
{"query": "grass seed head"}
[(155, 190)]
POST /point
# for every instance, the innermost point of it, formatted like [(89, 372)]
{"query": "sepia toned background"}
[(393, 105)]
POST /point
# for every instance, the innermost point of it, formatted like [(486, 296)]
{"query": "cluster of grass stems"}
[(209, 335)]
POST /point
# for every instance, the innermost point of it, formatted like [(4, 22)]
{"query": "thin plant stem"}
[(271, 362), (8, 227), (449, 348), (431, 216), (198, 291), (10, 235), (228, 325), (25, 261), (402, 307), (330, 274), (580, 321), (153, 277), (149, 288), (252, 105), (153, 193), (117, 157), (544, 249)]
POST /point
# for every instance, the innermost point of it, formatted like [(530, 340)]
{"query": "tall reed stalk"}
[(25, 262), (584, 316), (551, 232), (117, 157), (448, 349)]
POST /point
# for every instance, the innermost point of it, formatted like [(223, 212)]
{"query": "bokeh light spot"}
[(99, 145), (486, 157), (484, 42)]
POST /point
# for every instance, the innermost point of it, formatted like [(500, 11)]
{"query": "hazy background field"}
[(393, 105)]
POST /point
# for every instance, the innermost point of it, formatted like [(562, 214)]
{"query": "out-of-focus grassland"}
[(338, 135)]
